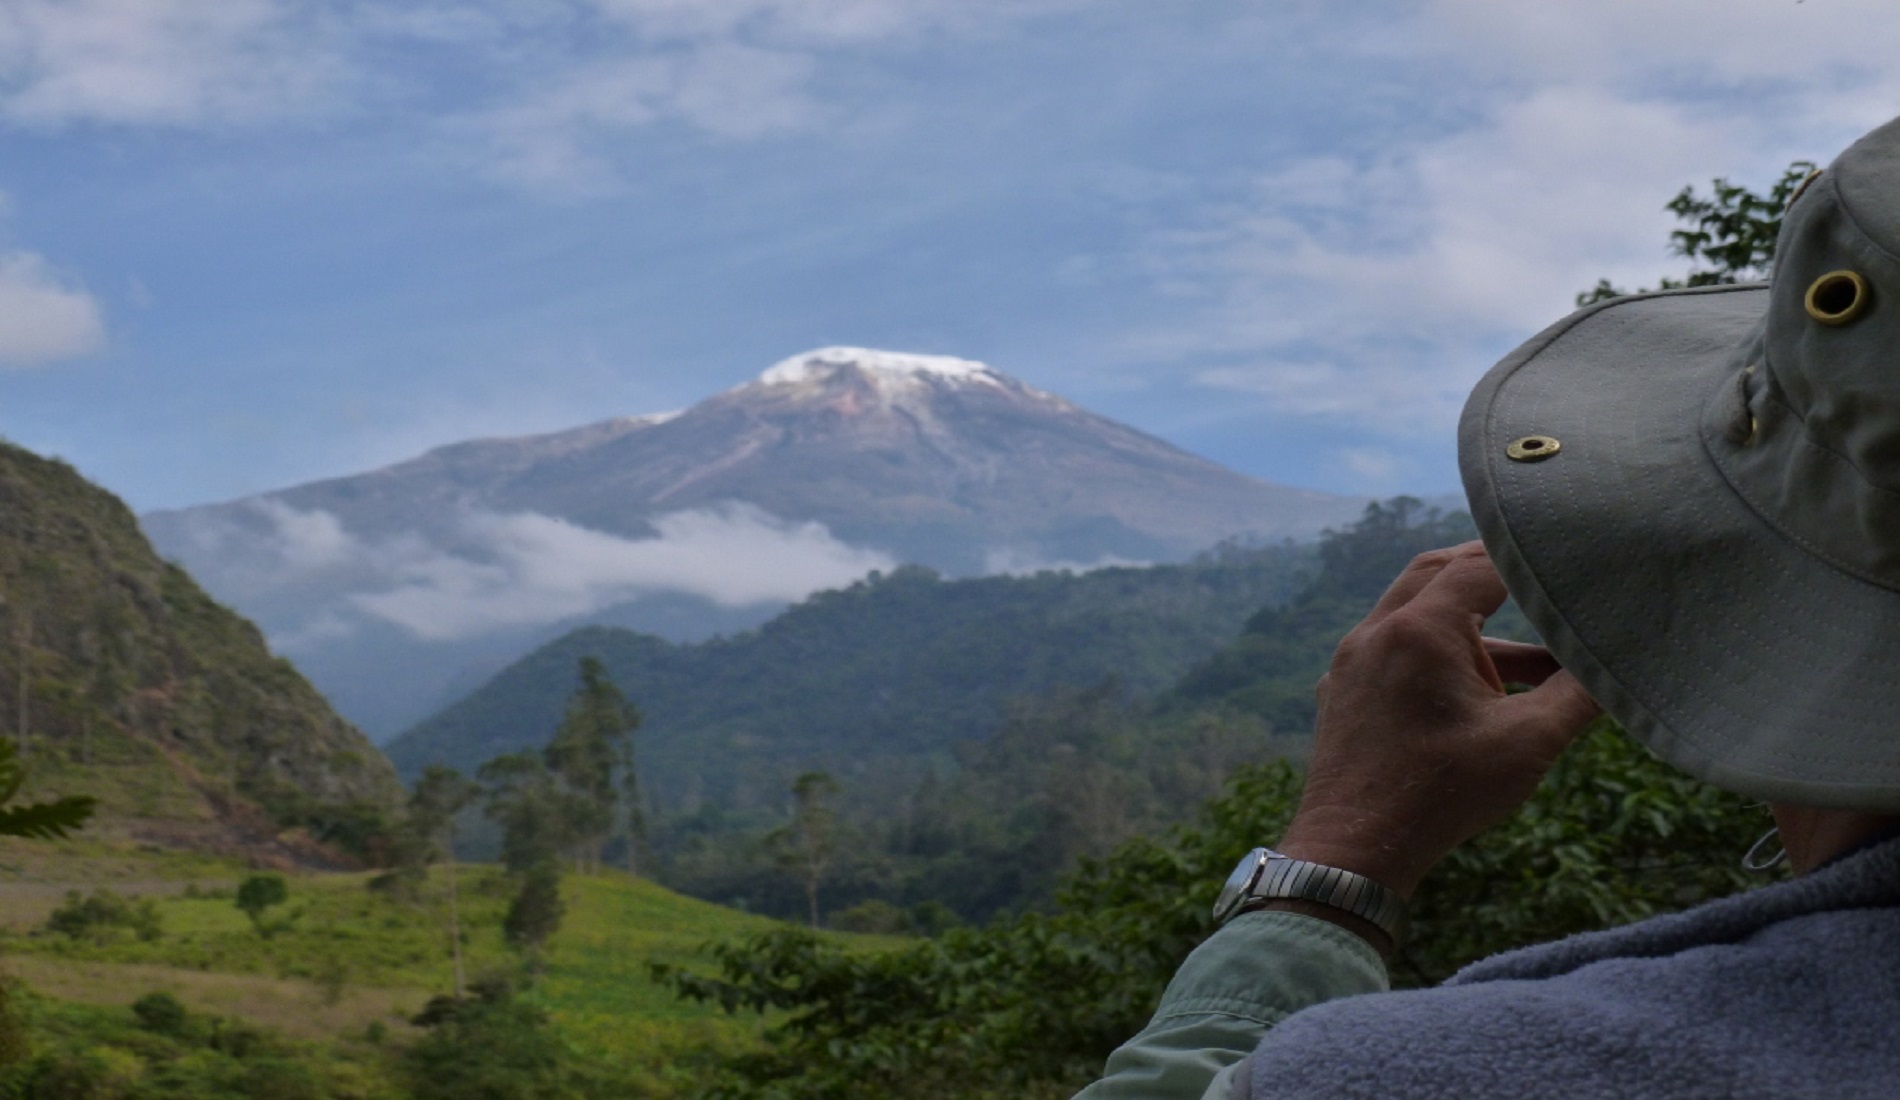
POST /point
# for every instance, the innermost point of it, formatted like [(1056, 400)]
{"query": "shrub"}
[(493, 1046), (102, 914), (161, 1013), (257, 894)]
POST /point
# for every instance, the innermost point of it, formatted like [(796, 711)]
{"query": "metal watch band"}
[(1274, 876)]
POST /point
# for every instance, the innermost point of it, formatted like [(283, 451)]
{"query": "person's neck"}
[(1814, 836)]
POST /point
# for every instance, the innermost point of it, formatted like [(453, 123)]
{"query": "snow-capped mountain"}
[(830, 464)]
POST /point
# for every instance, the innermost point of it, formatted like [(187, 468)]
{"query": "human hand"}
[(1417, 747)]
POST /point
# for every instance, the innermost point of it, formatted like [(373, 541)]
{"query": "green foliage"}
[(258, 893), (159, 1051), (535, 914), (495, 1046), (103, 914), (162, 1013), (439, 795), (1729, 233), (1032, 1005), (541, 817), (428, 829)]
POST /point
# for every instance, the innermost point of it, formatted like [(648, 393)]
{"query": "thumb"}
[(1552, 713)]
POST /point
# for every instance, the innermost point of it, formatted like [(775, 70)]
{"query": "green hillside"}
[(329, 1000), (121, 679), (871, 682)]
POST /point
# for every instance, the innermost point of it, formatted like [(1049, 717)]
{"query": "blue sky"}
[(250, 243)]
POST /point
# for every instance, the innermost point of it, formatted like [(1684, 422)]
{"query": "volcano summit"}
[(830, 464)]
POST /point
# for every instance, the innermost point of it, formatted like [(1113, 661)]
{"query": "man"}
[(1695, 497)]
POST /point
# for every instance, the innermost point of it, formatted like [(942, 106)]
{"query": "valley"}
[(917, 763)]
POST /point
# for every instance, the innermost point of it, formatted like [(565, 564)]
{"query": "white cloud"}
[(542, 569), (495, 572), (43, 318), (551, 96), (1372, 289), (569, 134), (1652, 48), (160, 62)]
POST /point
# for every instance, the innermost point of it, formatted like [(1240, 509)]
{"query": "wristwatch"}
[(1266, 875)]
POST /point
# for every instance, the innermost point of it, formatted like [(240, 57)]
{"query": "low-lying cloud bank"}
[(311, 581)]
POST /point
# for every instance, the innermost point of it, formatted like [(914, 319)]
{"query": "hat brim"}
[(1728, 649)]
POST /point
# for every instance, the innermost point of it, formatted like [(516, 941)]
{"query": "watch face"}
[(1238, 883)]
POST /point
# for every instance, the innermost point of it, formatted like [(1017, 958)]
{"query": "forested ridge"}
[(878, 683)]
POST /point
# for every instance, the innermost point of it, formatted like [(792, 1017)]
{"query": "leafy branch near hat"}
[(1730, 233), (1028, 1006)]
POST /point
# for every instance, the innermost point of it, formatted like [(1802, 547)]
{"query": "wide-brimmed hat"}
[(1694, 495)]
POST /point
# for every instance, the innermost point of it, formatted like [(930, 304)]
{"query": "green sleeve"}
[(1254, 972)]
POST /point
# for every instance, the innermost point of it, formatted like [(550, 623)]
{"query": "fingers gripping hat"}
[(1695, 497)]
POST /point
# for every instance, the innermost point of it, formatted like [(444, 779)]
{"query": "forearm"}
[(1250, 975)]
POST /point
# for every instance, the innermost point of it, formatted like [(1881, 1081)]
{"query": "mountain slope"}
[(940, 462), (131, 684), (872, 682), (831, 464)]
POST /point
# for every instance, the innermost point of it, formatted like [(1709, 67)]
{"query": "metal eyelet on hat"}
[(1837, 297), (1532, 448)]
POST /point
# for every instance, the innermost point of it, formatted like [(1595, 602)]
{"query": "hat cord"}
[(1753, 860)]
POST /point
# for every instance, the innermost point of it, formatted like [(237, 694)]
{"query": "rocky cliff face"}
[(125, 681), (830, 464)]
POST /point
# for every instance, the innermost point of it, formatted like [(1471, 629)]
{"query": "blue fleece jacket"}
[(1792, 990)]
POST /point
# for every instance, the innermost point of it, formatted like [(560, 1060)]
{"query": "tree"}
[(536, 912), (439, 796), (540, 817), (593, 745), (101, 915), (807, 843), (259, 893), (1730, 233)]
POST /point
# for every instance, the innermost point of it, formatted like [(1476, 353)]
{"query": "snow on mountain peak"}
[(884, 365)]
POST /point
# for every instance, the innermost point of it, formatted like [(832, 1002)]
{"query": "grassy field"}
[(352, 962)]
